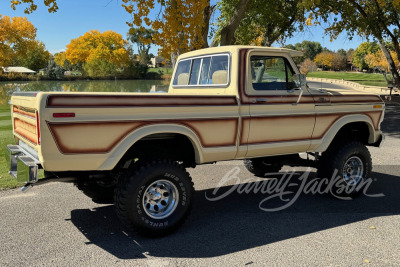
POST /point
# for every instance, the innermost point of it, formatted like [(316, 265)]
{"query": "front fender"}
[(327, 139)]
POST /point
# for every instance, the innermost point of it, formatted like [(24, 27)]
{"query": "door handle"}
[(261, 100)]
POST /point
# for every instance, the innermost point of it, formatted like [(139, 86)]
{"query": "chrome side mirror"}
[(299, 80)]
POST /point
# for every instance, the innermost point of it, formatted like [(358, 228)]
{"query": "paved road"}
[(319, 85), (55, 225)]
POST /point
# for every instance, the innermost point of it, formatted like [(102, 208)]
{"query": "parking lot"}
[(55, 224)]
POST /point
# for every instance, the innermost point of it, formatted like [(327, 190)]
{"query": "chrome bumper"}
[(22, 165)]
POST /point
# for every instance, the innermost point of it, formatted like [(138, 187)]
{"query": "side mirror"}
[(299, 80)]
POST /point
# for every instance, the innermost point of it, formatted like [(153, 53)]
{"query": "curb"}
[(356, 86)]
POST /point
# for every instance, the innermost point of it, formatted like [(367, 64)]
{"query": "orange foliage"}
[(178, 30), (17, 34), (94, 45), (31, 6)]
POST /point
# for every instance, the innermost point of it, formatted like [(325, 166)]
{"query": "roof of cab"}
[(235, 48)]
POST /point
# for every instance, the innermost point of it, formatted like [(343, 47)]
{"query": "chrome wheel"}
[(160, 199), (353, 170)]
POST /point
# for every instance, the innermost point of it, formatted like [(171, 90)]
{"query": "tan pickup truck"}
[(224, 103)]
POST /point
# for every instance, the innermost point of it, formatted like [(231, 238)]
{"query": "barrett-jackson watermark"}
[(287, 189)]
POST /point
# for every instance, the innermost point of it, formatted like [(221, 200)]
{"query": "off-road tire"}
[(336, 157), (260, 166), (130, 195)]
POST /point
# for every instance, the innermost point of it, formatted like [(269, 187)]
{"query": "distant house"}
[(18, 70), (156, 62)]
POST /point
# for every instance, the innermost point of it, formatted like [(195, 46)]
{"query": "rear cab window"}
[(204, 71)]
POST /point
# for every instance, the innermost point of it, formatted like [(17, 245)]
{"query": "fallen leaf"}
[(366, 261), (372, 227)]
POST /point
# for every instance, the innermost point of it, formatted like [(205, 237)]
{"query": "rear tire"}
[(154, 198), (348, 162), (261, 166)]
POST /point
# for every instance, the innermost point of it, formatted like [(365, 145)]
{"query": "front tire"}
[(350, 164), (154, 198)]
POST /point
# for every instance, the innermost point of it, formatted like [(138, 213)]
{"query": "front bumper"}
[(22, 165)]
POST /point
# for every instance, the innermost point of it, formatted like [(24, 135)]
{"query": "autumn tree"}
[(107, 50), (16, 34), (18, 46), (362, 50), (369, 18), (324, 59), (34, 56), (181, 26)]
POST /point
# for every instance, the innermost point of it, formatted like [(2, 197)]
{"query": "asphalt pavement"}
[(56, 225)]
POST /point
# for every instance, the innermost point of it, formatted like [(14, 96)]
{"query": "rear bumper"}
[(21, 164)]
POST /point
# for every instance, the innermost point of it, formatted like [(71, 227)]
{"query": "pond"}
[(141, 86)]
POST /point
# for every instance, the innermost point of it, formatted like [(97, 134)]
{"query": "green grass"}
[(372, 79), (6, 137)]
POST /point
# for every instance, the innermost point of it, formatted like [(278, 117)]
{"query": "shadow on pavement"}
[(236, 223), (391, 122)]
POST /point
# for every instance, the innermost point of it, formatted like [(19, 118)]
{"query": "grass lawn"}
[(6, 137), (372, 79)]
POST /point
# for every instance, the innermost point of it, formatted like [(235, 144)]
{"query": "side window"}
[(219, 70), (208, 70), (205, 68), (194, 75), (182, 72), (271, 73)]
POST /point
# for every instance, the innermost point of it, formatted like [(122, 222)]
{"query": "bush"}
[(99, 68)]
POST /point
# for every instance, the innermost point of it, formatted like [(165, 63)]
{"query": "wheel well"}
[(177, 147), (358, 131)]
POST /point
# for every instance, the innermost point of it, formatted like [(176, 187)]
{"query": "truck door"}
[(282, 115)]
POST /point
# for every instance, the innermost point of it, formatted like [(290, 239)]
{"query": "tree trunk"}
[(392, 66), (208, 10), (228, 32)]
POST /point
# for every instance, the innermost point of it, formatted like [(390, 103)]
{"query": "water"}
[(141, 86)]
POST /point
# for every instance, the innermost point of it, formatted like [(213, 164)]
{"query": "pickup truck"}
[(223, 103)]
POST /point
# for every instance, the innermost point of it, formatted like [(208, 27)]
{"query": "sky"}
[(75, 17)]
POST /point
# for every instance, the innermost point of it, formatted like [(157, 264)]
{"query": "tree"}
[(35, 56), (257, 22), (339, 61), (362, 50), (307, 66), (31, 6), (16, 36), (143, 40), (93, 45), (310, 50), (324, 59), (182, 25), (370, 18)]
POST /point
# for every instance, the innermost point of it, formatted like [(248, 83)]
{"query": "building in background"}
[(18, 70)]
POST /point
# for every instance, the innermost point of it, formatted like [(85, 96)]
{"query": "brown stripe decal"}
[(87, 101), (102, 137), (261, 129)]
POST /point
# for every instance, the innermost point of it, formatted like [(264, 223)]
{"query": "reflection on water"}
[(141, 86)]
